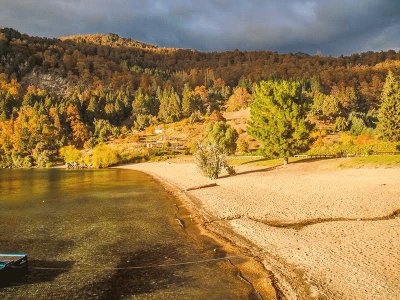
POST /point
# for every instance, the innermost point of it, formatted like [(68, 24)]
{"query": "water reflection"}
[(85, 230)]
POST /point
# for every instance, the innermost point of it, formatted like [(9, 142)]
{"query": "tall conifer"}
[(389, 112), (278, 119)]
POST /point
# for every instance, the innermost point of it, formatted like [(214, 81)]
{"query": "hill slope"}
[(86, 89)]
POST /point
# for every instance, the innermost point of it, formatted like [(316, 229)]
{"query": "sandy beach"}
[(323, 232)]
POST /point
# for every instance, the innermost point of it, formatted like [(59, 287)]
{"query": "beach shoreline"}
[(331, 234), (250, 268)]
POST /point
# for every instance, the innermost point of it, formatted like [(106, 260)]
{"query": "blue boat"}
[(13, 263)]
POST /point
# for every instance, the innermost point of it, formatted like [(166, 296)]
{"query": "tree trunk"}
[(285, 161)]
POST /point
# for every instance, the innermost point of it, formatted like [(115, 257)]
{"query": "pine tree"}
[(187, 106), (170, 107), (278, 119), (389, 112), (174, 108), (92, 110), (141, 104), (164, 103)]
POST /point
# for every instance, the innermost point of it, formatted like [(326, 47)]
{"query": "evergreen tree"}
[(170, 108), (190, 101), (389, 112), (174, 108), (187, 107), (278, 119), (92, 110), (326, 106), (118, 111), (141, 104), (163, 99)]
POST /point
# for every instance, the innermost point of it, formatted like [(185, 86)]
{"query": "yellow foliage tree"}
[(239, 99), (79, 130)]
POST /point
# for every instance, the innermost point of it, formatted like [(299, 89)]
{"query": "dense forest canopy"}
[(80, 90)]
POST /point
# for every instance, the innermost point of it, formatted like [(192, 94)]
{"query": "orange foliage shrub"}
[(364, 139)]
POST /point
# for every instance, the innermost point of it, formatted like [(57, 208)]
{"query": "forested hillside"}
[(83, 90)]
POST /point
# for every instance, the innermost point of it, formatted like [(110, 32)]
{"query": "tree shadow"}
[(250, 172), (254, 161), (302, 160), (314, 159), (271, 168), (38, 271)]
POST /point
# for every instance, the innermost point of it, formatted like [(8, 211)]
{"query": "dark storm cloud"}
[(330, 26)]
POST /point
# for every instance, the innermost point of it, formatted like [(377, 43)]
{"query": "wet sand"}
[(322, 232)]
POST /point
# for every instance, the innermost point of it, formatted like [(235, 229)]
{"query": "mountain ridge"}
[(108, 39)]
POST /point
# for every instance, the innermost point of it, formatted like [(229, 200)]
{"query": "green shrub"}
[(134, 156), (43, 158), (357, 126), (104, 156), (70, 154), (5, 161), (19, 161), (41, 155), (211, 161)]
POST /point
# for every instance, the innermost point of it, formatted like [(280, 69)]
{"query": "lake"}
[(105, 234)]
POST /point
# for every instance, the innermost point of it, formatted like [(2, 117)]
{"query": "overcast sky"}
[(330, 26)]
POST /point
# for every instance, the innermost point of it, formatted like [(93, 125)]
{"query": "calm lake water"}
[(82, 229)]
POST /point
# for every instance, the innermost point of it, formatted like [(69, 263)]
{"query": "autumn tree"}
[(278, 119), (202, 93), (389, 112), (29, 139), (80, 132), (239, 99)]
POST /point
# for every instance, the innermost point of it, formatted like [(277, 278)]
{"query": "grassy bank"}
[(351, 162), (371, 161), (262, 162)]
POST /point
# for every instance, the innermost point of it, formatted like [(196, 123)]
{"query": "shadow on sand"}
[(251, 172), (271, 168)]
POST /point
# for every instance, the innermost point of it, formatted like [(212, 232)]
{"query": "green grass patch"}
[(262, 162), (371, 161)]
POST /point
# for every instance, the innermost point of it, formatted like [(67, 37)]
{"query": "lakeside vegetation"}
[(97, 100)]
